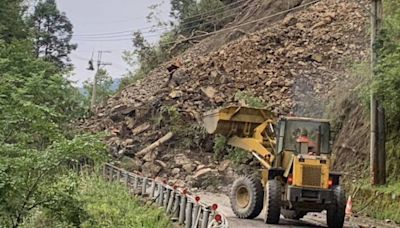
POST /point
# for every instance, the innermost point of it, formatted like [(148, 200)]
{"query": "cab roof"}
[(305, 119)]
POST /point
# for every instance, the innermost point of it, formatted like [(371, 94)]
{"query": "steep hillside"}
[(291, 65)]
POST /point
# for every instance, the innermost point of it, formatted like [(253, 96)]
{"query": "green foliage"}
[(103, 89), (35, 101), (195, 15), (52, 32), (238, 156), (148, 57), (39, 178), (219, 146), (12, 26), (101, 204), (249, 100), (392, 161), (168, 115), (110, 205), (377, 202), (37, 105), (387, 84)]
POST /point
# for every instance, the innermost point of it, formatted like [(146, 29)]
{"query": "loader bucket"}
[(239, 121)]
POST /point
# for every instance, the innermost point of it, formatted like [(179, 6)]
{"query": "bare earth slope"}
[(292, 65)]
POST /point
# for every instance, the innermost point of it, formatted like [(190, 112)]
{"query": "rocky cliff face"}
[(291, 65)]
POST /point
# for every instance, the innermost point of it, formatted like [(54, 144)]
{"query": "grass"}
[(110, 205), (380, 202), (99, 203)]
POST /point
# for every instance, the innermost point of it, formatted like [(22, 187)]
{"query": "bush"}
[(219, 146), (98, 203), (250, 100)]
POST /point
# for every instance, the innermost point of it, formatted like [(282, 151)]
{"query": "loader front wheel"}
[(247, 197), (335, 215), (272, 202)]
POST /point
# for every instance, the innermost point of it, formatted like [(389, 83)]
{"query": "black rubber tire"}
[(292, 214), (272, 202), (255, 192), (335, 216)]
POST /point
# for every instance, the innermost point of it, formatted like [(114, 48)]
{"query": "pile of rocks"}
[(292, 66)]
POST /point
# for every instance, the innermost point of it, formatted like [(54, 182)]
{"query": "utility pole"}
[(100, 63), (378, 137)]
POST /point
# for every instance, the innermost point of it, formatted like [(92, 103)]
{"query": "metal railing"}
[(183, 208)]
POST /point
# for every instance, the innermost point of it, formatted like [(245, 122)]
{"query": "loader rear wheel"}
[(247, 197), (272, 202), (335, 216), (292, 214)]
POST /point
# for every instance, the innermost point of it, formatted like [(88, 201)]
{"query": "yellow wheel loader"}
[(295, 155)]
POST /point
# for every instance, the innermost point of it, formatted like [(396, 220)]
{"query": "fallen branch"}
[(141, 128), (154, 145)]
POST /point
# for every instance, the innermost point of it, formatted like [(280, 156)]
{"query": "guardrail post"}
[(161, 195), (204, 220), (144, 186), (110, 175), (104, 171), (152, 189), (167, 196), (118, 175), (126, 179), (189, 211), (170, 201), (175, 211), (195, 215), (135, 184), (182, 209)]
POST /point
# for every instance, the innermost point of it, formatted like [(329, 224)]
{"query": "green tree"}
[(32, 179), (181, 9), (146, 56), (52, 33), (36, 102), (387, 84), (204, 15), (104, 86), (12, 25)]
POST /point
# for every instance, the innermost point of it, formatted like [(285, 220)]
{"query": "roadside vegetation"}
[(98, 203), (39, 147), (381, 201)]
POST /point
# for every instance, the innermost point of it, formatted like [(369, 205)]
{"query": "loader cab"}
[(303, 135)]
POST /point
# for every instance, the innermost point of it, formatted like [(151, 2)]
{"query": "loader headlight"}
[(330, 183), (290, 179)]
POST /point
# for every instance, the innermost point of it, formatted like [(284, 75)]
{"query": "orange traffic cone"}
[(349, 207)]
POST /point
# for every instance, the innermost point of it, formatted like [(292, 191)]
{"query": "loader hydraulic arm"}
[(257, 144), (247, 128)]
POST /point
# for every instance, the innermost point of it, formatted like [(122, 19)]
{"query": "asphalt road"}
[(310, 220)]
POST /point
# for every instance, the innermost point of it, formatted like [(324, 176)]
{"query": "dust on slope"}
[(296, 58)]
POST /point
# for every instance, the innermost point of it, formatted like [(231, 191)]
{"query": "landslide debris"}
[(291, 65)]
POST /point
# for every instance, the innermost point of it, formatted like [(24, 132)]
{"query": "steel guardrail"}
[(179, 203)]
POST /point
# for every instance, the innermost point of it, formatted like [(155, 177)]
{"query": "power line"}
[(129, 36), (158, 29), (247, 23), (221, 30), (186, 21)]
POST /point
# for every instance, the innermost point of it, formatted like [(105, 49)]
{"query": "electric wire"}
[(186, 21), (153, 34), (223, 29)]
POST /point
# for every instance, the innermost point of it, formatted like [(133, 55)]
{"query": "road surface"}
[(310, 220)]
